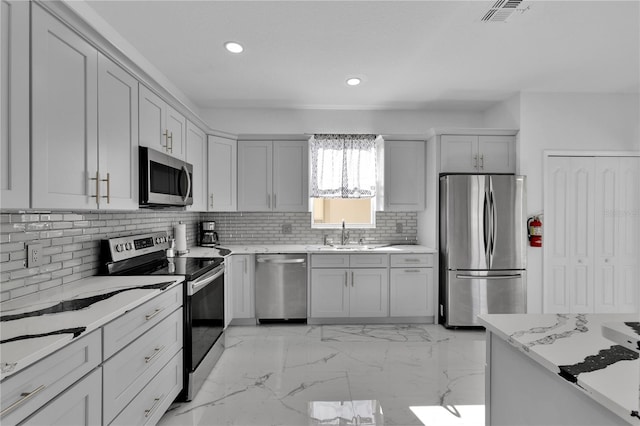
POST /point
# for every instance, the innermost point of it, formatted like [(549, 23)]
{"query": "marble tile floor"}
[(342, 375)]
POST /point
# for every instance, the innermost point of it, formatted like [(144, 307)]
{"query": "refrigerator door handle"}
[(493, 225), (488, 277), (485, 226)]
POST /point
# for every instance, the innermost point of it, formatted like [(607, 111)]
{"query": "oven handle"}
[(197, 285)]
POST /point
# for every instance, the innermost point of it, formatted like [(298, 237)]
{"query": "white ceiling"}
[(410, 54)]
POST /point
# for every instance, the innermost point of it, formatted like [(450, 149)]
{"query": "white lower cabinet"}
[(152, 402), (78, 405), (242, 286), (411, 286), (27, 391), (360, 291)]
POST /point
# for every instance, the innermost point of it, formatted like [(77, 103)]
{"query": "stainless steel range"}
[(145, 254)]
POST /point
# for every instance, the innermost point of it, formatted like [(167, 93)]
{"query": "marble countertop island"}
[(573, 346), (34, 326)]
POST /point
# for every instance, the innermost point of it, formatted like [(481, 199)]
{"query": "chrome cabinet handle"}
[(148, 412), (346, 279), (211, 200), (108, 180), (170, 138), (25, 397), (412, 260), (352, 278), (482, 161), (166, 140), (412, 270), (153, 314), (97, 179), (475, 159), (274, 201), (156, 352)]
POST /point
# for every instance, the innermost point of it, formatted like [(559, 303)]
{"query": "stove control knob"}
[(157, 240), (119, 247), (128, 246)]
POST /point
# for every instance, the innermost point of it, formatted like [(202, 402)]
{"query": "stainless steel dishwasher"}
[(281, 287)]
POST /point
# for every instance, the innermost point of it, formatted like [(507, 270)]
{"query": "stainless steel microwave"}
[(164, 180)]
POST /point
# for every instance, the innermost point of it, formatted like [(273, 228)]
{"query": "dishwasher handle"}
[(280, 261)]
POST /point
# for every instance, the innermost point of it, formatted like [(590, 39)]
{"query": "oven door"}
[(164, 180)]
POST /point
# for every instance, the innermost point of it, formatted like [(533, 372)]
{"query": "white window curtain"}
[(343, 166)]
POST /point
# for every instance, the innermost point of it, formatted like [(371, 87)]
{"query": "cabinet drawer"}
[(79, 405), (123, 330), (369, 260), (329, 260), (131, 369), (152, 402), (403, 260), (47, 378)]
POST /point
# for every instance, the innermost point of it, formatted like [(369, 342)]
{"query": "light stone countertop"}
[(573, 347), (37, 325), (308, 248)]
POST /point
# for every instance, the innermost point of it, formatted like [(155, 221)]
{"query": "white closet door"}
[(627, 216), (568, 235)]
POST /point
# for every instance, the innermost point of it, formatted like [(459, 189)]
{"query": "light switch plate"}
[(286, 228), (398, 227), (34, 255)]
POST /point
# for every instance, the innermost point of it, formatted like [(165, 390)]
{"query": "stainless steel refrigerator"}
[(482, 247)]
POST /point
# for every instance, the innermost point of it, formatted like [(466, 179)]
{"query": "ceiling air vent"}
[(502, 10)]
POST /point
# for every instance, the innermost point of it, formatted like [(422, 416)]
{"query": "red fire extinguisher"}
[(534, 228)]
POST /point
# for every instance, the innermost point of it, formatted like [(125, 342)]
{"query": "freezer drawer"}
[(471, 293)]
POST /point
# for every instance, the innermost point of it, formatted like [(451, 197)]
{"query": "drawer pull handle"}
[(148, 412), (412, 270), (156, 312), (156, 351), (412, 260), (25, 397)]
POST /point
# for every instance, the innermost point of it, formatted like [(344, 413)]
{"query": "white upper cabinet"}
[(14, 139), (197, 156), (404, 175), (223, 167), (84, 123), (477, 154), (64, 116), (117, 136), (161, 127), (273, 176)]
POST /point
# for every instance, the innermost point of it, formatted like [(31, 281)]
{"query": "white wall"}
[(289, 121), (563, 121)]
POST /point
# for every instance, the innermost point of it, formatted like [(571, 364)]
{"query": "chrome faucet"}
[(345, 234)]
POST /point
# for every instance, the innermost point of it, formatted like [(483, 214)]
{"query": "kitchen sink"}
[(351, 247)]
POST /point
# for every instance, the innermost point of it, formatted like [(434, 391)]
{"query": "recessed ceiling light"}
[(353, 81), (233, 47)]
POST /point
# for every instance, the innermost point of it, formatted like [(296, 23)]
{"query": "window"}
[(344, 180)]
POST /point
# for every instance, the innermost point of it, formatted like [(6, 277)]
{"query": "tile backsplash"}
[(273, 228), (71, 240), (71, 243)]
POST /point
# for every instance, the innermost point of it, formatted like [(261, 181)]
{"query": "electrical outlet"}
[(286, 228), (398, 227), (34, 255)]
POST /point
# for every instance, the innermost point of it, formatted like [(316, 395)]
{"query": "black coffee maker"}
[(208, 234)]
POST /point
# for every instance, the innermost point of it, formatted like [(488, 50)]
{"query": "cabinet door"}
[(569, 235), (14, 124), (290, 176), (64, 116), (81, 404), (177, 133), (152, 116), (411, 292), (242, 286), (223, 167), (497, 154), (255, 189), (369, 293), (617, 234), (329, 293), (404, 183), (197, 156), (117, 136), (458, 154)]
